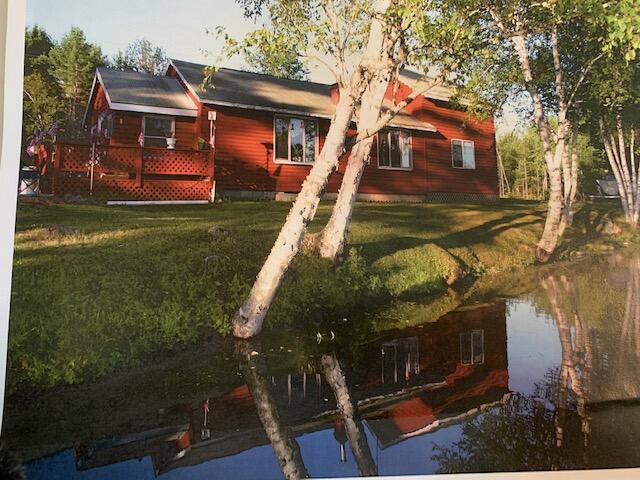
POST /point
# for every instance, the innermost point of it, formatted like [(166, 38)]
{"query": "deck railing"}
[(132, 172)]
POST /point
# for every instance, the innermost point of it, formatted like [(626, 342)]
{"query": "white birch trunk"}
[(284, 445), (626, 175), (333, 238), (248, 320), (353, 426), (550, 235)]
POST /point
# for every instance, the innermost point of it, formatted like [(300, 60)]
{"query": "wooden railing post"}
[(57, 164), (211, 155), (139, 167)]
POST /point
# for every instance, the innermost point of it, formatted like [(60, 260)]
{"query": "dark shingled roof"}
[(238, 88), (143, 89), (254, 90)]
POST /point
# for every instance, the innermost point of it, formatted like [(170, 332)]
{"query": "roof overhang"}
[(130, 107), (426, 128), (91, 94)]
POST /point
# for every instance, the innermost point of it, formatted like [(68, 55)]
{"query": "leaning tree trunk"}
[(333, 238), (247, 321), (353, 426), (284, 445)]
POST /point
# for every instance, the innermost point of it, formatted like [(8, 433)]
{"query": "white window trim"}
[(473, 144), (288, 161), (471, 333), (384, 167), (163, 117)]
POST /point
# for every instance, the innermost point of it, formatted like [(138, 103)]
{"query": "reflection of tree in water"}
[(630, 335), (286, 448), (552, 429), (284, 445), (522, 434), (350, 419)]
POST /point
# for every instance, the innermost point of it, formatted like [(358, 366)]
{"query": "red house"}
[(254, 136)]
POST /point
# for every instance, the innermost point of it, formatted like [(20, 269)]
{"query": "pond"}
[(546, 379)]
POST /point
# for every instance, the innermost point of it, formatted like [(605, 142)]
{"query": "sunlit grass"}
[(97, 288)]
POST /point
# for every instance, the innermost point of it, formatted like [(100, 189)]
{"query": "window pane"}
[(405, 140), (469, 156), (282, 139), (383, 148), (457, 154), (296, 127), (310, 141), (478, 346), (158, 127), (394, 149), (465, 348)]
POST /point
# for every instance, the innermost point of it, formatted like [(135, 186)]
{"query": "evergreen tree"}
[(41, 96), (73, 64)]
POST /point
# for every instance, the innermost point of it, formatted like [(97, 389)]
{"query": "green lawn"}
[(115, 284)]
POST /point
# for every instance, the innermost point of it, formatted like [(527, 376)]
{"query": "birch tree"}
[(344, 31), (612, 106), (552, 43), (435, 39)]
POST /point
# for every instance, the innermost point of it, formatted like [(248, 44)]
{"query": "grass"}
[(98, 288)]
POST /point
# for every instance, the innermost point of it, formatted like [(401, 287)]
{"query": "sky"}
[(179, 26)]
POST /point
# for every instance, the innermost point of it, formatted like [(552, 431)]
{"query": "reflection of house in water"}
[(411, 382)]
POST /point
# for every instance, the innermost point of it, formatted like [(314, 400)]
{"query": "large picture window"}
[(394, 149), (296, 140), (463, 154), (157, 129)]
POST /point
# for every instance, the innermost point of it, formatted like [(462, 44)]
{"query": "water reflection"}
[(584, 412), (549, 380), (284, 445)]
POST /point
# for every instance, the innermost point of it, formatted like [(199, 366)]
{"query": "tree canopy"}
[(73, 63), (142, 56)]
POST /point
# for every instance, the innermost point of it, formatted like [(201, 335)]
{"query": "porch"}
[(121, 173)]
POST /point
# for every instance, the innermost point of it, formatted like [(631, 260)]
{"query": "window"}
[(296, 140), (472, 347), (463, 153), (394, 149), (105, 126), (157, 129)]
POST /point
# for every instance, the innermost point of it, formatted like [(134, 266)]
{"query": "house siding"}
[(244, 158), (244, 150)]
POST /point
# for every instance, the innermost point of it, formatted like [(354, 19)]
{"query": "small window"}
[(296, 140), (463, 154), (472, 347), (157, 129), (105, 126), (394, 149)]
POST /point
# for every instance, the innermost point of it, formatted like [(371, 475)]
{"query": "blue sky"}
[(179, 26)]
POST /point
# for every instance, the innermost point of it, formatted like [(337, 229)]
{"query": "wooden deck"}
[(131, 173)]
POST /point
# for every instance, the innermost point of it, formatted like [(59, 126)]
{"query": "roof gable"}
[(142, 92)]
